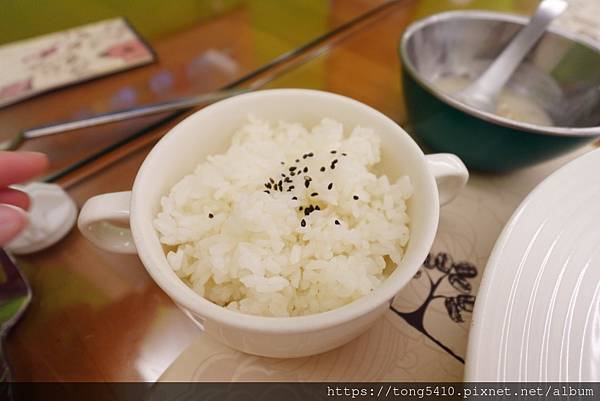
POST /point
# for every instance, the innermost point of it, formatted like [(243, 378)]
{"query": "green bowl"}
[(561, 74)]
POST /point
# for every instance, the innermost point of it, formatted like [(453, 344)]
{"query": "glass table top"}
[(99, 316)]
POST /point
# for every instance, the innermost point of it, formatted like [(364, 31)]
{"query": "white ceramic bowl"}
[(207, 132)]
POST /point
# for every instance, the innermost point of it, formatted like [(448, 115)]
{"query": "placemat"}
[(581, 18), (423, 337)]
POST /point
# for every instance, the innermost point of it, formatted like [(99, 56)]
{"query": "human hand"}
[(16, 167)]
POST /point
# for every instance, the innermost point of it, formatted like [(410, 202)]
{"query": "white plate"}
[(537, 315)]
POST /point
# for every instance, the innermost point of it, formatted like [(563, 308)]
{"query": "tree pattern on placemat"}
[(457, 275)]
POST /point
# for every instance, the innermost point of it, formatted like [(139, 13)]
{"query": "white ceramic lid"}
[(51, 216)]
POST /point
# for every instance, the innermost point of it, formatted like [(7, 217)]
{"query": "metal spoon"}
[(483, 93), (111, 117)]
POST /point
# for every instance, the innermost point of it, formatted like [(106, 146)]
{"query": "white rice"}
[(247, 250)]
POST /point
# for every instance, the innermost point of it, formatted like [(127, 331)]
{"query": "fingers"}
[(14, 197), (17, 167), (12, 221)]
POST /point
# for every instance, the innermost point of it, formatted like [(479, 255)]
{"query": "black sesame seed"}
[(283, 175), (337, 222), (287, 179), (355, 197), (317, 207), (306, 183), (293, 168), (210, 215), (314, 194), (294, 198), (330, 185), (305, 169), (291, 187), (343, 154), (303, 223), (304, 156), (292, 174), (282, 163), (307, 211), (267, 191), (268, 185), (297, 160), (311, 154), (322, 169), (272, 181), (333, 152), (300, 208)]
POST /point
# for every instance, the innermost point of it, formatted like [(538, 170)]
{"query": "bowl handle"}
[(104, 220), (450, 174)]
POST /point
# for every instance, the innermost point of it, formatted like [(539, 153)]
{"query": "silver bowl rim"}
[(486, 116)]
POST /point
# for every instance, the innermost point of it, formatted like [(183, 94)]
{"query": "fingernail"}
[(39, 155), (12, 221), (27, 153), (30, 152)]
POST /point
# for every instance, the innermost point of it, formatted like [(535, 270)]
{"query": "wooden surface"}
[(99, 316)]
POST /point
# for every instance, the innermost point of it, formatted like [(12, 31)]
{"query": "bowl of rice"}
[(281, 221)]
